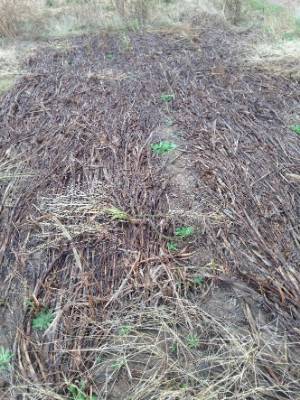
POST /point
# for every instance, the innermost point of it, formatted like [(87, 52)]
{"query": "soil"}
[(76, 135)]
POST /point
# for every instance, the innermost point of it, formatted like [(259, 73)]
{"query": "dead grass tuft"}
[(14, 14)]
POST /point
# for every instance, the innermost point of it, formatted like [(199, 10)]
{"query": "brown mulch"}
[(80, 126)]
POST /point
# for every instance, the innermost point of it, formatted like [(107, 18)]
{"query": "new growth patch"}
[(163, 147)]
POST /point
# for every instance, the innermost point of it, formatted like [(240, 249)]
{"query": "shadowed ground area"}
[(132, 274)]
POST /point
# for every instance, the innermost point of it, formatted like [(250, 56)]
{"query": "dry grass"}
[(131, 320), (15, 14), (176, 352)]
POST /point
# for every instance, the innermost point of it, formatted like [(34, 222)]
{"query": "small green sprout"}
[(117, 215), (5, 358), (163, 147), (169, 122), (78, 392), (109, 56), (296, 128), (199, 280), (99, 360), (192, 341), (30, 304), (124, 330), (43, 320), (118, 364), (172, 246), (184, 231), (167, 97), (183, 386), (174, 348)]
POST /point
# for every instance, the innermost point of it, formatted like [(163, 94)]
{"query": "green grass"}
[(184, 231), (5, 358), (116, 214), (167, 97), (265, 7), (296, 128), (78, 392), (172, 246), (118, 364), (163, 147), (42, 320), (192, 341), (125, 330), (199, 280)]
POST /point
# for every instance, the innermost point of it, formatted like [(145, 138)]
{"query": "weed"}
[(184, 231), (118, 364), (172, 246), (296, 128), (50, 3), (99, 360), (174, 348), (183, 386), (199, 280), (117, 214), (30, 305), (163, 147), (5, 358), (167, 98), (124, 330), (43, 320), (109, 56), (78, 392), (169, 122), (192, 341)]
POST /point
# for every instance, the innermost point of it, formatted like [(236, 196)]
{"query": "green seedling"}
[(167, 98), (117, 215), (109, 56), (118, 364), (296, 128), (172, 246), (184, 231), (199, 280), (183, 386), (78, 392), (163, 147), (5, 358), (169, 122), (174, 348), (192, 341), (124, 330), (42, 320), (99, 360)]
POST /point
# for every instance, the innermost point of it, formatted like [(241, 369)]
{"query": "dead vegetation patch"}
[(110, 309)]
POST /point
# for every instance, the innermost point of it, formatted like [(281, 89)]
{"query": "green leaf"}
[(109, 56), (192, 341), (199, 280), (296, 128), (124, 330), (167, 97), (43, 320), (184, 231), (163, 147), (5, 358), (172, 246), (117, 214), (118, 364)]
